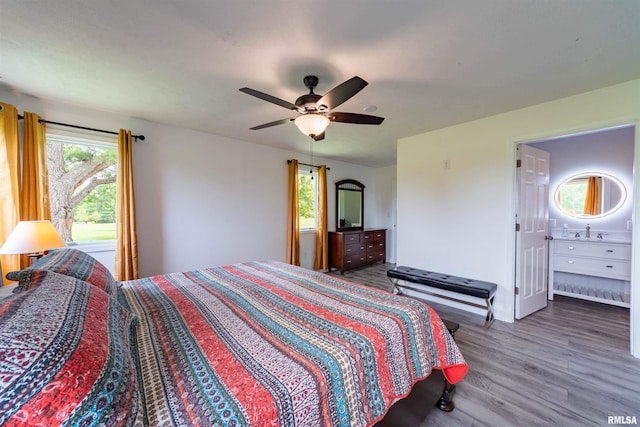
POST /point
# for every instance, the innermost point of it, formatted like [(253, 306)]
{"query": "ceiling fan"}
[(316, 110)]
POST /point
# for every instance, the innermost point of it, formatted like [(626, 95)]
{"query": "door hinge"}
[(517, 290), (517, 227), (518, 163)]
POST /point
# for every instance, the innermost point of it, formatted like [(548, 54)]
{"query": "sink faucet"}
[(588, 235)]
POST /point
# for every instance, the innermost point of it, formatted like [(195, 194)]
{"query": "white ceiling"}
[(429, 64)]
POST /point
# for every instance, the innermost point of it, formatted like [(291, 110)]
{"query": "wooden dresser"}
[(351, 249)]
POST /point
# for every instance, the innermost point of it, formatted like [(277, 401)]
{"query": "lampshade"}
[(32, 237), (312, 124)]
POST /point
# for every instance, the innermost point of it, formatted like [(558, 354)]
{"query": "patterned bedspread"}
[(270, 344)]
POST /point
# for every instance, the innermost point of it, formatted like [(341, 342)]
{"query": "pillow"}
[(70, 262), (65, 357)]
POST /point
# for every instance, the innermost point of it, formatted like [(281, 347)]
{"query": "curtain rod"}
[(307, 164), (136, 137)]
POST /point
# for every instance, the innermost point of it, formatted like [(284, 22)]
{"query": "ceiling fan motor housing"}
[(308, 102)]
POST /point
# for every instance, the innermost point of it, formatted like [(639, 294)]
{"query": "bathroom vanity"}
[(590, 264), (591, 269)]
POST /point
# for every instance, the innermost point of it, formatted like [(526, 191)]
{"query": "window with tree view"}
[(82, 187), (308, 200)]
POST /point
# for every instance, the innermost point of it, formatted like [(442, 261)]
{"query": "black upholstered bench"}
[(403, 277)]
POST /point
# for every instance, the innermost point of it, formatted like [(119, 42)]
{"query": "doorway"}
[(598, 152)]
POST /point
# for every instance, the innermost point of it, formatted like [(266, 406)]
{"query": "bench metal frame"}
[(434, 291)]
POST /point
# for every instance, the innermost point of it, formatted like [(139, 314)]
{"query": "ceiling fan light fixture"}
[(312, 124)]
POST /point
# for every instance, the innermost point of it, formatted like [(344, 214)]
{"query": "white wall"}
[(385, 206), (204, 200), (461, 220)]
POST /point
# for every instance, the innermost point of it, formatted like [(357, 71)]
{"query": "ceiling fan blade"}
[(319, 137), (267, 125), (361, 119), (341, 93), (269, 98)]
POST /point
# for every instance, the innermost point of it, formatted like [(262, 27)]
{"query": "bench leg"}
[(489, 318), (395, 289)]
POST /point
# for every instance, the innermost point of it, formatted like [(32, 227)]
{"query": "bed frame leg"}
[(445, 403)]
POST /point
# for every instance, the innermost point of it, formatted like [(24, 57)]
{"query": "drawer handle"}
[(609, 266), (571, 248), (570, 262), (610, 250)]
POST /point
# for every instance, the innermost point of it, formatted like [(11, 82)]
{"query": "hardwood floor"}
[(566, 365)]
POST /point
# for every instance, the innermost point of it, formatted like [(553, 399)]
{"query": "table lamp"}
[(32, 238)]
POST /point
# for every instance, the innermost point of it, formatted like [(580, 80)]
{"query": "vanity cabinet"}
[(591, 270), (351, 249)]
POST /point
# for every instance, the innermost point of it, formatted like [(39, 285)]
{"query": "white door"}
[(531, 239)]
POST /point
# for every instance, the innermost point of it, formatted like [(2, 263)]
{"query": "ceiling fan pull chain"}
[(311, 155)]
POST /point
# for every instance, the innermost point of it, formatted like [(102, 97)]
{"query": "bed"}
[(248, 344)]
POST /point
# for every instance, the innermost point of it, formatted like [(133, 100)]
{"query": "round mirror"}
[(590, 195)]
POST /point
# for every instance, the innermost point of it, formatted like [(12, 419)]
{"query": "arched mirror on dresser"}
[(349, 205), (351, 245)]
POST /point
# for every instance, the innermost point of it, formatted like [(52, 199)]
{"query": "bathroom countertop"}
[(593, 240)]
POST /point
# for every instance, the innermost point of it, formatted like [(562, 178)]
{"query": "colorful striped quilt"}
[(270, 344)]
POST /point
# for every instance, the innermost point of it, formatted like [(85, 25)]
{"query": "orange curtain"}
[(34, 204), (592, 199), (9, 183), (34, 201), (293, 217), (126, 267), (321, 261)]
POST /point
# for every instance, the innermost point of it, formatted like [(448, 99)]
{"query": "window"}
[(82, 186), (308, 200)]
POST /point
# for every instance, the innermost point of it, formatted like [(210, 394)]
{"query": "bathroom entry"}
[(602, 153)]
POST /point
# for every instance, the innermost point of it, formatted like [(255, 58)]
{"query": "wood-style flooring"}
[(566, 365)]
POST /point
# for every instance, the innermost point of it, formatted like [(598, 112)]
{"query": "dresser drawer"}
[(593, 266), (374, 236), (599, 250), (375, 246), (374, 256), (354, 261), (354, 249), (350, 238)]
